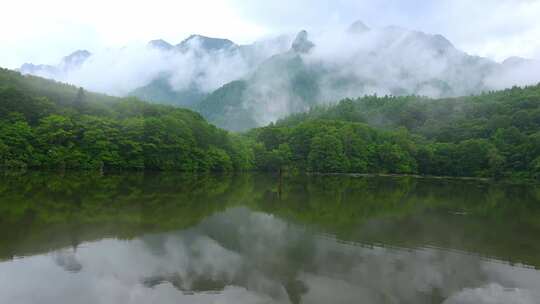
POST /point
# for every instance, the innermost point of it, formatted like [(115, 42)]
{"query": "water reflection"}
[(173, 239)]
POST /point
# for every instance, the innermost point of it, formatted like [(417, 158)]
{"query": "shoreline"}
[(435, 177), (517, 181), (486, 179)]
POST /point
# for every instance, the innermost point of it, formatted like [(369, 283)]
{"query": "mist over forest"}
[(284, 152), (243, 86)]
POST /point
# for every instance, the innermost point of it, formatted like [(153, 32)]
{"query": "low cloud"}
[(344, 62), (348, 63), (120, 71)]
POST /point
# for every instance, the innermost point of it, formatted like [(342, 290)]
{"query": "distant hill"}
[(161, 91), (281, 84), (207, 44), (68, 63), (49, 125)]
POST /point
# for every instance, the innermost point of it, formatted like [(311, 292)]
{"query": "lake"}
[(253, 238)]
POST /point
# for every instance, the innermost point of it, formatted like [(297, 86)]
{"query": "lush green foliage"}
[(44, 124), (334, 146), (491, 135), (223, 107)]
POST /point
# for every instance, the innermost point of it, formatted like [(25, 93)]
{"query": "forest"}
[(44, 124), (49, 125), (494, 135)]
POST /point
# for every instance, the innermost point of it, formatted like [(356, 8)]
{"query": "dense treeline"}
[(333, 146), (44, 124), (495, 134)]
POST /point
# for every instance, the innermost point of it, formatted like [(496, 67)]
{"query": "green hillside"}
[(237, 105), (160, 91), (490, 135), (49, 125), (45, 124)]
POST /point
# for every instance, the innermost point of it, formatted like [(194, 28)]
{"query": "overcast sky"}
[(43, 31)]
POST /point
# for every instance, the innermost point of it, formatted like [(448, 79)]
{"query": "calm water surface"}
[(170, 238)]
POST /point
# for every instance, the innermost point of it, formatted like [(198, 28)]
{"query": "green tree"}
[(327, 154)]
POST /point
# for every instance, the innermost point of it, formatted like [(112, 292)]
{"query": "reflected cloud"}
[(494, 294), (243, 256), (68, 261)]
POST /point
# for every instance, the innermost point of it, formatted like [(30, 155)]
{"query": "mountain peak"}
[(160, 44), (440, 42), (207, 43), (358, 27), (435, 42), (301, 43), (76, 58)]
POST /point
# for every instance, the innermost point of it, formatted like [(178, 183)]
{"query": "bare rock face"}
[(301, 43)]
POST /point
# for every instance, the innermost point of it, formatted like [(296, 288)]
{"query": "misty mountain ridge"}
[(389, 61), (206, 43), (160, 44), (301, 43), (203, 42), (67, 63), (202, 51), (288, 74)]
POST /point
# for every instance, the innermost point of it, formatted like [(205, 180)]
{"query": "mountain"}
[(76, 58), (205, 55), (207, 44), (242, 86), (296, 80), (223, 107), (68, 63), (161, 91), (198, 50), (362, 61), (160, 44), (301, 43), (204, 43), (358, 27), (283, 83)]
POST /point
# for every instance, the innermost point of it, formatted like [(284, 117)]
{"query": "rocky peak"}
[(358, 27), (301, 43), (206, 43), (76, 58), (160, 44)]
